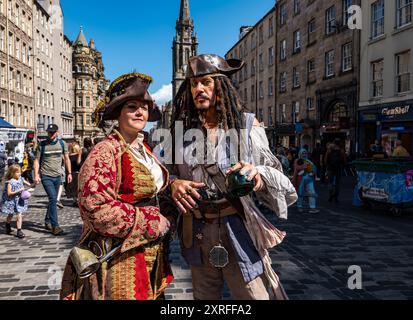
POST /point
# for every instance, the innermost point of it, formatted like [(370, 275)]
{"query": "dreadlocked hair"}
[(228, 103)]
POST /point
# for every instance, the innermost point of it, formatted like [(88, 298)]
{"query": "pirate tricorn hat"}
[(207, 64), (127, 87)]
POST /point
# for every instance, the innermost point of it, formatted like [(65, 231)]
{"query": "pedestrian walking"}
[(47, 169), (335, 161), (224, 237), (400, 151), (119, 185), (304, 182), (14, 199), (75, 155)]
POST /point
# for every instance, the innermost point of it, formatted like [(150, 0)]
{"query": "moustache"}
[(203, 96)]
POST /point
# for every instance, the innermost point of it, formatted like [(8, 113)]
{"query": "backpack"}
[(43, 145), (335, 159)]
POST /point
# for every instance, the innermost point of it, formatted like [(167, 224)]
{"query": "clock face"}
[(56, 17)]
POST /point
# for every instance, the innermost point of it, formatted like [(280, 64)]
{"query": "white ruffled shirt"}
[(141, 154)]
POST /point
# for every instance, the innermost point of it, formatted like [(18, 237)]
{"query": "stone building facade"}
[(386, 83), (318, 71), (256, 81), (89, 85), (16, 64)]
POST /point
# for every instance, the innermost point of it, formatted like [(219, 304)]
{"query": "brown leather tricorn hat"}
[(127, 87), (206, 64)]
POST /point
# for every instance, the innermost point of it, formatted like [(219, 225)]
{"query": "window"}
[(296, 77), (261, 35), (331, 20), (403, 72), (261, 62), (283, 50), (270, 117), (404, 12), (270, 87), (329, 64), (245, 72), (252, 93), (283, 81), (297, 41), (347, 57), (283, 113), (377, 79), (79, 84), (38, 96), (296, 111), (88, 102), (3, 75), (377, 19), (270, 27), (261, 90), (310, 104), (283, 14), (311, 31), (38, 68), (296, 6), (271, 56), (11, 44), (245, 95), (346, 5), (311, 71), (252, 67), (253, 41), (2, 38), (80, 101), (260, 115)]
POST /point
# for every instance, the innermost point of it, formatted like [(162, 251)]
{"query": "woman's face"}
[(134, 116)]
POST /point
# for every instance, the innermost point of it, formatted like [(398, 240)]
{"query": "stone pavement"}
[(312, 262)]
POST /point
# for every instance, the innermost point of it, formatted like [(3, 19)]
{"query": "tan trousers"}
[(208, 281)]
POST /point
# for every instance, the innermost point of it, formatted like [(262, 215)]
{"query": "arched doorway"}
[(336, 124)]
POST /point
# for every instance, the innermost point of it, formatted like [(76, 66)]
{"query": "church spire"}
[(184, 14)]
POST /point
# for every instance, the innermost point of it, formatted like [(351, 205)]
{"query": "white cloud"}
[(163, 95)]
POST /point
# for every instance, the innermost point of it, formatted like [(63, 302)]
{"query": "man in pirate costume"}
[(225, 237), (119, 185)]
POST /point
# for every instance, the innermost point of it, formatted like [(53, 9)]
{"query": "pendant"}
[(199, 236), (218, 256)]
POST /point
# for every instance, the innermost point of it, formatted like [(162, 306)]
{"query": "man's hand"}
[(69, 178), (185, 194), (37, 180), (247, 169)]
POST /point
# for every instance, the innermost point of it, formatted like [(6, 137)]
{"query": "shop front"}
[(286, 135), (387, 123)]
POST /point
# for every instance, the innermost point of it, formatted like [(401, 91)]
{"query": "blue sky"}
[(138, 34)]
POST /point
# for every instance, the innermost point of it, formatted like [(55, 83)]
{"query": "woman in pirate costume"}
[(118, 199)]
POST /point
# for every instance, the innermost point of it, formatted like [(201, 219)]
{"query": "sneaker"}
[(57, 231), (20, 234), (48, 226), (314, 211), (60, 205), (8, 228)]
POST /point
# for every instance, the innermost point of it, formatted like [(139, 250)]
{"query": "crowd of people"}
[(52, 162)]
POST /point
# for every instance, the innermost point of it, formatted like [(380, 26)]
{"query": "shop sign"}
[(399, 112)]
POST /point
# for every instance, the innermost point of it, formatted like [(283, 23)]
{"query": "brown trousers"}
[(208, 281)]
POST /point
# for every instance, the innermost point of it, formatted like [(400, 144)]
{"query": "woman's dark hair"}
[(87, 143)]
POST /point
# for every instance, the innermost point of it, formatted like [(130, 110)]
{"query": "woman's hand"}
[(185, 194), (249, 170)]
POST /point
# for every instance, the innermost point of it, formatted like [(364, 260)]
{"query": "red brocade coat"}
[(111, 182)]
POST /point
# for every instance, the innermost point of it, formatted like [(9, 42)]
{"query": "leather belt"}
[(208, 213)]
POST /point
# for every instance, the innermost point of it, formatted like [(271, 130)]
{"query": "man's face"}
[(52, 135), (203, 92)]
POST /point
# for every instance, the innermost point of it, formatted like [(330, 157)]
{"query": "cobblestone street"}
[(312, 262)]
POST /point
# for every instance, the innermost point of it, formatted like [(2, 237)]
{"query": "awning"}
[(5, 124)]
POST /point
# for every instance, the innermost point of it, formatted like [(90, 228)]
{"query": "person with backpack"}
[(47, 169), (335, 160)]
